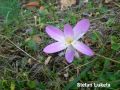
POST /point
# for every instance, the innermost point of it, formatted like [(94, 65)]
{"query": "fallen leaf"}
[(42, 8), (66, 75), (85, 1), (27, 39), (48, 60), (88, 41), (37, 39), (30, 61), (107, 1), (32, 4), (66, 3)]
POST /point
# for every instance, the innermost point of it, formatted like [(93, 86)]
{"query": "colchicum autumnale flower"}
[(69, 40)]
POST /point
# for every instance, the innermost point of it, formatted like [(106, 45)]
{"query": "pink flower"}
[(69, 40)]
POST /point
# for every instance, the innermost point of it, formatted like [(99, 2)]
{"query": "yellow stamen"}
[(69, 40)]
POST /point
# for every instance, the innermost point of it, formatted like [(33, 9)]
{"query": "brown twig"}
[(18, 47), (107, 58)]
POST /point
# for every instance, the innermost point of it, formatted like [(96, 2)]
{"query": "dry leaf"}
[(48, 60), (30, 61), (66, 75), (27, 39), (37, 39), (108, 1), (66, 3), (32, 4), (88, 41), (42, 8), (85, 1)]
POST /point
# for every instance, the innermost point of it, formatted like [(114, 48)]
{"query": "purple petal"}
[(68, 30), (54, 47), (69, 55), (81, 28), (81, 47), (55, 33)]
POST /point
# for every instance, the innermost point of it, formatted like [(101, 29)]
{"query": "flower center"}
[(69, 40)]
